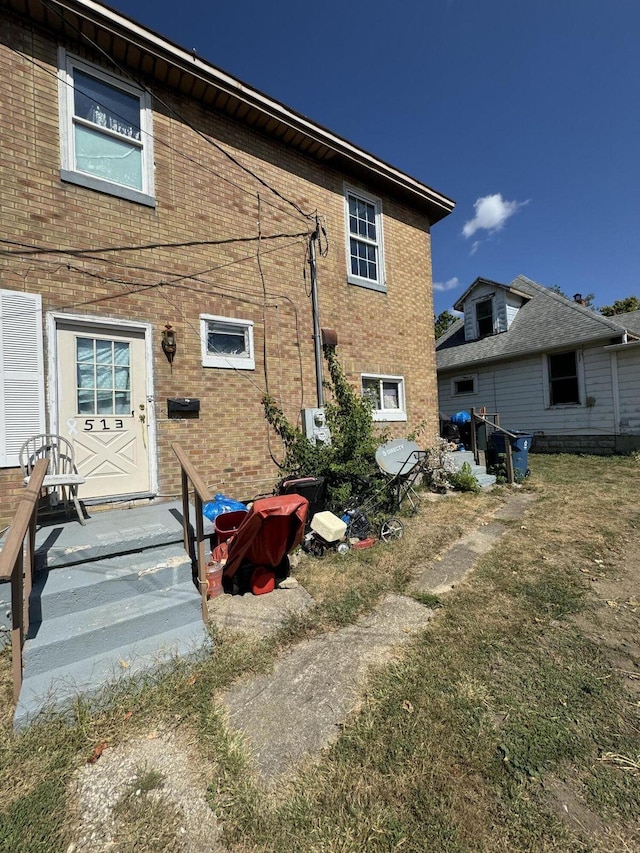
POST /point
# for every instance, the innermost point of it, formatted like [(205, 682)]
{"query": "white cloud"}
[(450, 284), (492, 211)]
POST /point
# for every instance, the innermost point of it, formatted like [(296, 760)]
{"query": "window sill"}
[(389, 416), (369, 285), (230, 363), (107, 187), (566, 406)]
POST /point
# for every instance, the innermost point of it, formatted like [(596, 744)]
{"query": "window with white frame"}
[(365, 262), (464, 384), (105, 131), (386, 395), (227, 342)]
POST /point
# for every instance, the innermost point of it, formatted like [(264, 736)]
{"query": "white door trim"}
[(87, 320)]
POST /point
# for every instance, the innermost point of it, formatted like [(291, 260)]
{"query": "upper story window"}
[(365, 263), (386, 395), (105, 131), (484, 317), (227, 342)]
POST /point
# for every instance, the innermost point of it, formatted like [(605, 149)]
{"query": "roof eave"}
[(283, 119)]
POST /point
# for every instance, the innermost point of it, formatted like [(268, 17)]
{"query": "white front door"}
[(102, 406)]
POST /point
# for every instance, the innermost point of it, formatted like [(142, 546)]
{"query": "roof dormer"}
[(489, 308)]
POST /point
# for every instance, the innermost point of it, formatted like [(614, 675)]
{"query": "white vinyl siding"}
[(516, 390), (22, 409), (105, 131), (628, 363)]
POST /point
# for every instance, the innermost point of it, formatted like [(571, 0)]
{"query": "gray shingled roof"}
[(545, 322)]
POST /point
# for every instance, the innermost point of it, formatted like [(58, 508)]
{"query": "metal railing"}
[(492, 419), (17, 564), (201, 495)]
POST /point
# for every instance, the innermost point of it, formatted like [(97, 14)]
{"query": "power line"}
[(203, 166), (31, 249), (177, 114)]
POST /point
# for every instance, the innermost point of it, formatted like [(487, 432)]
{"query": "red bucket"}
[(227, 523)]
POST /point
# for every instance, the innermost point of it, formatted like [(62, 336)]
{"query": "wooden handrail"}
[(201, 494), (495, 424), (13, 566), (496, 427)]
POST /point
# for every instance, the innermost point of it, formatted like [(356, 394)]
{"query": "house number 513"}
[(101, 425)]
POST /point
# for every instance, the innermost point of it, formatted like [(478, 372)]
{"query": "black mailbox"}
[(181, 405)]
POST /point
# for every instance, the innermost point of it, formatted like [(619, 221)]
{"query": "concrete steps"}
[(459, 457), (111, 601)]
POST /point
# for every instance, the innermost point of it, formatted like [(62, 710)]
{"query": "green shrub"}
[(350, 458), (463, 480)]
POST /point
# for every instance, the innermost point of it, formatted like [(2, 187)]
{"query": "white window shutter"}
[(22, 407)]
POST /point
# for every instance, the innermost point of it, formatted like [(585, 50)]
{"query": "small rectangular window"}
[(564, 387), (464, 385), (484, 317), (227, 342), (363, 216), (386, 395), (105, 131)]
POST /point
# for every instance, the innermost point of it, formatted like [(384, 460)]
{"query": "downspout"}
[(317, 344)]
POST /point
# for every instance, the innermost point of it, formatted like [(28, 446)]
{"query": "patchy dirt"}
[(99, 789), (613, 621)]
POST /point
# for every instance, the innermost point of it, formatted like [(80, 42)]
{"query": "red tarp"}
[(271, 529)]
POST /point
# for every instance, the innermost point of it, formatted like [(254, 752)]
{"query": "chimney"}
[(577, 297)]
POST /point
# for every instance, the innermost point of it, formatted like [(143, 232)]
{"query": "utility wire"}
[(178, 151), (176, 113), (30, 249)]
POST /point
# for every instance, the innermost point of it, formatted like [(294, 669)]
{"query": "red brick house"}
[(144, 188)]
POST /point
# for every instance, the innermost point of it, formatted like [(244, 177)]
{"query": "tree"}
[(442, 322), (621, 306)]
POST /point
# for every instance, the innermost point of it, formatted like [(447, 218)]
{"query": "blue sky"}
[(526, 113)]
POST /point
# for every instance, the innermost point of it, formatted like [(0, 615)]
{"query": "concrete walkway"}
[(298, 708)]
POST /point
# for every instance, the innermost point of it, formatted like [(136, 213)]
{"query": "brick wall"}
[(202, 196)]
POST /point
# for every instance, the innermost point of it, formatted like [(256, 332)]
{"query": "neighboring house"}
[(546, 364), (141, 187)]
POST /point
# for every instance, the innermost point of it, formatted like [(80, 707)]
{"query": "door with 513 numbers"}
[(102, 407)]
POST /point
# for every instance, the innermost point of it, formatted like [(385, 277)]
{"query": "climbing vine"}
[(350, 458)]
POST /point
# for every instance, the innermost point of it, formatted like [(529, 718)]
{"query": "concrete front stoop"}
[(110, 601), (459, 457)]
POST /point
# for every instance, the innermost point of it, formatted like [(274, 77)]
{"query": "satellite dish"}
[(398, 457)]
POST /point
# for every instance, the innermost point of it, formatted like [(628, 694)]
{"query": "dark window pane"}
[(105, 105), (564, 391), (484, 317), (562, 365), (464, 386)]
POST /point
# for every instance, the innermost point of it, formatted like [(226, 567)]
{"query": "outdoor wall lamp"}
[(169, 344)]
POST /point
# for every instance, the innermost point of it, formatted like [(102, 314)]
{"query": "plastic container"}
[(214, 579), (520, 446), (328, 526), (227, 523)]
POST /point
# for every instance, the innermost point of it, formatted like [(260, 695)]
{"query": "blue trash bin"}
[(520, 446)]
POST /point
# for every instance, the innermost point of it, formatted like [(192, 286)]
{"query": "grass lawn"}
[(511, 724)]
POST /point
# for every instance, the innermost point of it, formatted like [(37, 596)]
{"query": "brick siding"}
[(202, 195)]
